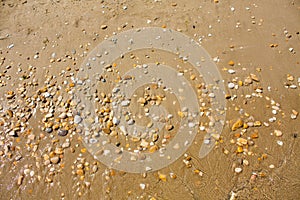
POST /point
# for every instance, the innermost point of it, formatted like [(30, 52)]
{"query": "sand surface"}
[(255, 46)]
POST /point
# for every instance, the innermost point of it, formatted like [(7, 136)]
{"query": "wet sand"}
[(255, 46)]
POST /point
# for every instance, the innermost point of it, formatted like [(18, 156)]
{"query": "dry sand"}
[(42, 46)]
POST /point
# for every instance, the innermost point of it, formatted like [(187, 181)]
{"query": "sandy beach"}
[(79, 106)]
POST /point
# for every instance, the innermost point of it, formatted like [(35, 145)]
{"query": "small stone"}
[(239, 123), (55, 160), (48, 130), (278, 133), (294, 114), (63, 116), (104, 26), (242, 141), (193, 77), (254, 77), (77, 119), (290, 77), (142, 186), (230, 63), (169, 127), (162, 177), (257, 123), (231, 71), (49, 115), (62, 132), (280, 143), (125, 103), (231, 85), (254, 135), (95, 169), (144, 144), (238, 170), (115, 121), (153, 148), (20, 180), (66, 145), (80, 172), (130, 122)]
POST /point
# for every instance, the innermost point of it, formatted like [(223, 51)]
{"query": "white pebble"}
[(142, 186), (231, 85), (116, 121), (238, 170), (231, 71), (280, 143), (125, 103)]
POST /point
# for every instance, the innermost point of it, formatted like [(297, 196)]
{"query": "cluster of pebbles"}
[(60, 117)]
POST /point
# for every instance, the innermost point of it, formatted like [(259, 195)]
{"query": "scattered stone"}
[(125, 103), (278, 133), (115, 121), (231, 63), (231, 85), (231, 71), (169, 127), (162, 177), (20, 179), (238, 124), (238, 170), (104, 26), (294, 114), (63, 116), (254, 77), (55, 160), (62, 132), (77, 119), (48, 130), (142, 186)]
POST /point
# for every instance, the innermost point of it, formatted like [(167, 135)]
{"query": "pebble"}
[(115, 121), (162, 177), (62, 132), (254, 77), (66, 145), (294, 114), (142, 186), (77, 119), (20, 180), (55, 160), (169, 127), (230, 63), (104, 26), (231, 71), (280, 143), (238, 124), (278, 133), (63, 116), (238, 170), (125, 103), (231, 85), (48, 130)]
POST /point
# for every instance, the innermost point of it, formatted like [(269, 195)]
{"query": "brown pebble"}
[(80, 172), (153, 148), (169, 127), (231, 63), (239, 123)]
